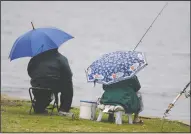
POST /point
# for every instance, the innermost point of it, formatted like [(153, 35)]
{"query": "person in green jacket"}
[(124, 93)]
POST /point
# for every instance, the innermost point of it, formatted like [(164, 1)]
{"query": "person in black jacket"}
[(51, 69)]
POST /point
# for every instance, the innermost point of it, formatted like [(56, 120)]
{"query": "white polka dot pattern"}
[(116, 66)]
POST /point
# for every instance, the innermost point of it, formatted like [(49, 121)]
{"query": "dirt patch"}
[(11, 103), (6, 97)]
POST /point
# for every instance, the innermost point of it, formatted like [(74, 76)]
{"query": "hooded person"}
[(51, 69), (126, 94)]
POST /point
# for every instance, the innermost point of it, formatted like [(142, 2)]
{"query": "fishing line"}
[(150, 27)]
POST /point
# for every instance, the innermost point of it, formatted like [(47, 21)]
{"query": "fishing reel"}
[(187, 94), (168, 109)]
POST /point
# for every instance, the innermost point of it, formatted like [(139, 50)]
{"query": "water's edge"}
[(5, 96)]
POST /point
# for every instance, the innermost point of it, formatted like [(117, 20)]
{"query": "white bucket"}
[(88, 110)]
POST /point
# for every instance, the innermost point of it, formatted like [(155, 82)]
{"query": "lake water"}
[(102, 27)]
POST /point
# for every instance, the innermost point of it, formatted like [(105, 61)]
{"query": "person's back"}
[(51, 70), (48, 68), (122, 93)]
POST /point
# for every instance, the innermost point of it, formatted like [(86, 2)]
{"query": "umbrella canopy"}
[(116, 66), (37, 41)]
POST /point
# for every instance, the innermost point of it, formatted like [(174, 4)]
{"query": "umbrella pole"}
[(171, 105), (32, 25), (150, 27)]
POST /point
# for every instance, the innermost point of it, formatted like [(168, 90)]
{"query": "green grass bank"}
[(15, 118)]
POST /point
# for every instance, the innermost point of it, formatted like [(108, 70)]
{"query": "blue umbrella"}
[(37, 41), (116, 66)]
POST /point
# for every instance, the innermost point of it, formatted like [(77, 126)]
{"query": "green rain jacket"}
[(123, 93)]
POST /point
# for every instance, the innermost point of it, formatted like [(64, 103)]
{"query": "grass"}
[(15, 118)]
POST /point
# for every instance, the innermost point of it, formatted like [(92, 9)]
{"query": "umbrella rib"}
[(47, 44), (50, 38), (18, 39)]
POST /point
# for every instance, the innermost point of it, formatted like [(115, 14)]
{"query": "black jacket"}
[(49, 68)]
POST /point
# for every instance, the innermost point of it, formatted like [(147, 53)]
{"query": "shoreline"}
[(7, 97)]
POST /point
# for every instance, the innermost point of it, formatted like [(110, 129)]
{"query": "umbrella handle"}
[(32, 25)]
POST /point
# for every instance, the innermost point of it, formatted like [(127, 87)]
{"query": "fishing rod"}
[(150, 27), (144, 33), (171, 105)]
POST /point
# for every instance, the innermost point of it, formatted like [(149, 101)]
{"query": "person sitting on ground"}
[(125, 93), (51, 69)]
